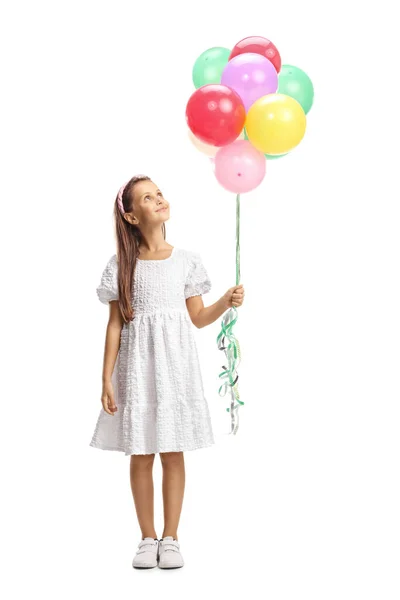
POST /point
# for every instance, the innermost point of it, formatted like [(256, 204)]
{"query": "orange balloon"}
[(207, 149)]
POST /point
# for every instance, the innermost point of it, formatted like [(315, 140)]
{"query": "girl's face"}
[(149, 205)]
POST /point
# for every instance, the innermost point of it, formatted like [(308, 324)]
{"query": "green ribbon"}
[(232, 349)]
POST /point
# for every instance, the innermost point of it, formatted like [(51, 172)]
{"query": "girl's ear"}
[(131, 219)]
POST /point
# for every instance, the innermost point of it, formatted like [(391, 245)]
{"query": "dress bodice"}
[(159, 285)]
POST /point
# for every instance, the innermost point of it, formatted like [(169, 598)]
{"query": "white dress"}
[(157, 381)]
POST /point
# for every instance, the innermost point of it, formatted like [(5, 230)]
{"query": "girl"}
[(153, 398)]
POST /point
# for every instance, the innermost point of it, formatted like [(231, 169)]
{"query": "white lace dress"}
[(157, 381)]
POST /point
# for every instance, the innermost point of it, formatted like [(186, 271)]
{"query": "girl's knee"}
[(171, 458)]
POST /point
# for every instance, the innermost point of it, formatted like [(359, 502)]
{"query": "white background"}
[(304, 501)]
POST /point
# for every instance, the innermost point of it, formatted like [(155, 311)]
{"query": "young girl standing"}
[(153, 398)]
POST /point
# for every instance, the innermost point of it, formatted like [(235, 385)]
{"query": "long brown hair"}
[(129, 238)]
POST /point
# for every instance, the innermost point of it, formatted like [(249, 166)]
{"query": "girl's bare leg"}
[(173, 487), (141, 476)]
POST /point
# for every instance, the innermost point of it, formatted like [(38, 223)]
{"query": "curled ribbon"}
[(230, 374), (232, 350)]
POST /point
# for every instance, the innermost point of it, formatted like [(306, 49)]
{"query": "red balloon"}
[(215, 114), (259, 45)]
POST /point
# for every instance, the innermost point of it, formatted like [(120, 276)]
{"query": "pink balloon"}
[(239, 167), (251, 76)]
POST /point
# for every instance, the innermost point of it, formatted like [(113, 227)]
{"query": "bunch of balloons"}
[(247, 109)]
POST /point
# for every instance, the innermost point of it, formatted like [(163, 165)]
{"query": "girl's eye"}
[(147, 197), (160, 194)]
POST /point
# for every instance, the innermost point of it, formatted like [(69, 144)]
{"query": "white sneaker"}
[(169, 553), (147, 553)]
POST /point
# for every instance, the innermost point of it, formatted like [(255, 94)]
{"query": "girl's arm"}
[(204, 315), (113, 335)]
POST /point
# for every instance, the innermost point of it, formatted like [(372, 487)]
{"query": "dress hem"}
[(119, 449)]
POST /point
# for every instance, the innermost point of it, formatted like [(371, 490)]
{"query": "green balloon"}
[(274, 156), (294, 82), (267, 156), (209, 66)]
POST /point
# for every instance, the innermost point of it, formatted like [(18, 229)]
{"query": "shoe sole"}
[(177, 567)]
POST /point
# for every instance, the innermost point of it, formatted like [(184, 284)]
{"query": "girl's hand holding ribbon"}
[(234, 296)]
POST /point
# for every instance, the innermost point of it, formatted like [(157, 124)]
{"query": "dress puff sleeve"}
[(107, 290), (197, 280)]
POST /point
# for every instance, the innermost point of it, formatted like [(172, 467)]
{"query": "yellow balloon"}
[(275, 123)]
